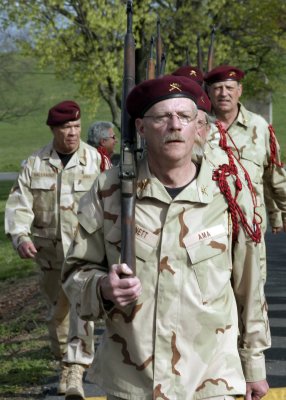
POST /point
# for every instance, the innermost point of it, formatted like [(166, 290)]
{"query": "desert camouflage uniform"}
[(179, 340), (249, 140), (275, 216), (42, 207)]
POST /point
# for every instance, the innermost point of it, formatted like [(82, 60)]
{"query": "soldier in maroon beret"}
[(191, 72), (250, 138), (41, 221), (172, 322)]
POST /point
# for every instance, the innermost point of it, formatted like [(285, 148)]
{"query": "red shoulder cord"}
[(220, 175), (103, 154), (273, 148)]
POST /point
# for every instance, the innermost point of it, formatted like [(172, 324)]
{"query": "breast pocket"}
[(253, 165), (210, 261), (44, 190)]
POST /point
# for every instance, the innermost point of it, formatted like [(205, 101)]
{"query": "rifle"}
[(158, 49), (127, 171), (188, 60), (211, 51), (199, 53), (163, 64), (150, 73)]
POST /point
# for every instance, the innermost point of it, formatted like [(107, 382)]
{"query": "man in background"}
[(250, 138), (101, 135), (40, 219)]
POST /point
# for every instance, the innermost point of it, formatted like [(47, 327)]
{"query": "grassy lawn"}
[(26, 360)]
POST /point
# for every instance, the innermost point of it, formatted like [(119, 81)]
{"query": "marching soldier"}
[(250, 138), (40, 218), (171, 330)]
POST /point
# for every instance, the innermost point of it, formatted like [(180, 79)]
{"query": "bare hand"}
[(277, 229), (27, 250), (256, 390), (121, 291)]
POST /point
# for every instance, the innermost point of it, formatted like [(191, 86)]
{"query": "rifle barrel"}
[(127, 171)]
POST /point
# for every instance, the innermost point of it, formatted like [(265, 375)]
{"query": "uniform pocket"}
[(209, 254)]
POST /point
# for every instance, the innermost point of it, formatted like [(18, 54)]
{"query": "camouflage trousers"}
[(72, 339)]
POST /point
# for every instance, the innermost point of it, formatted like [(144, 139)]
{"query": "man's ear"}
[(240, 88), (101, 142), (139, 126)]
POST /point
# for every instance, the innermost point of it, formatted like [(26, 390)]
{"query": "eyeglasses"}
[(163, 119), (110, 137), (201, 124)]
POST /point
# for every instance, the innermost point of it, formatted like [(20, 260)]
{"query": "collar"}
[(199, 190)]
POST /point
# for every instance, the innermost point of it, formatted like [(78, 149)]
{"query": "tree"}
[(84, 38)]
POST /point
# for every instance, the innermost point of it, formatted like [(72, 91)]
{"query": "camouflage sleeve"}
[(19, 209), (274, 214), (85, 263), (252, 308), (274, 177)]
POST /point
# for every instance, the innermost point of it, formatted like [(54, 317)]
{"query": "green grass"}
[(11, 265), (26, 360), (21, 136)]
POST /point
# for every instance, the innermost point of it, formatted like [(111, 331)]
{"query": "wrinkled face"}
[(225, 95), (202, 132), (169, 128), (110, 142), (67, 137)]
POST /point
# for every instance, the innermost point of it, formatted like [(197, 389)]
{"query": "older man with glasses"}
[(101, 135), (172, 330)]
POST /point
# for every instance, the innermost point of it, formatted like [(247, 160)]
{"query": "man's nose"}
[(175, 121)]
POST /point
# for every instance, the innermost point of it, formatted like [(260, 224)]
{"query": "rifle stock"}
[(151, 64), (127, 172)]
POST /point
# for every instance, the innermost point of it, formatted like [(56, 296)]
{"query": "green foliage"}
[(84, 39)]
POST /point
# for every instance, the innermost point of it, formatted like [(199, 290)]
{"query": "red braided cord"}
[(220, 175), (273, 148), (103, 154)]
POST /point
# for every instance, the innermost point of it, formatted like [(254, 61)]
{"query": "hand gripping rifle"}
[(127, 172), (211, 51)]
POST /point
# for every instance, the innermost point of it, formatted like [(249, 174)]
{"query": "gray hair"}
[(97, 131)]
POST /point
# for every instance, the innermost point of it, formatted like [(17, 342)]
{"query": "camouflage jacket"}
[(249, 138), (179, 341), (44, 200)]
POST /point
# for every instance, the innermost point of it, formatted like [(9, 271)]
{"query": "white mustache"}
[(172, 137)]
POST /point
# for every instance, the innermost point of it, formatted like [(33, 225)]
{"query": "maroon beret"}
[(223, 73), (63, 112), (150, 92), (193, 73), (204, 103)]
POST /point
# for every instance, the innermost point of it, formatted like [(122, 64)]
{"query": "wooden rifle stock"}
[(211, 51), (127, 172), (151, 64)]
